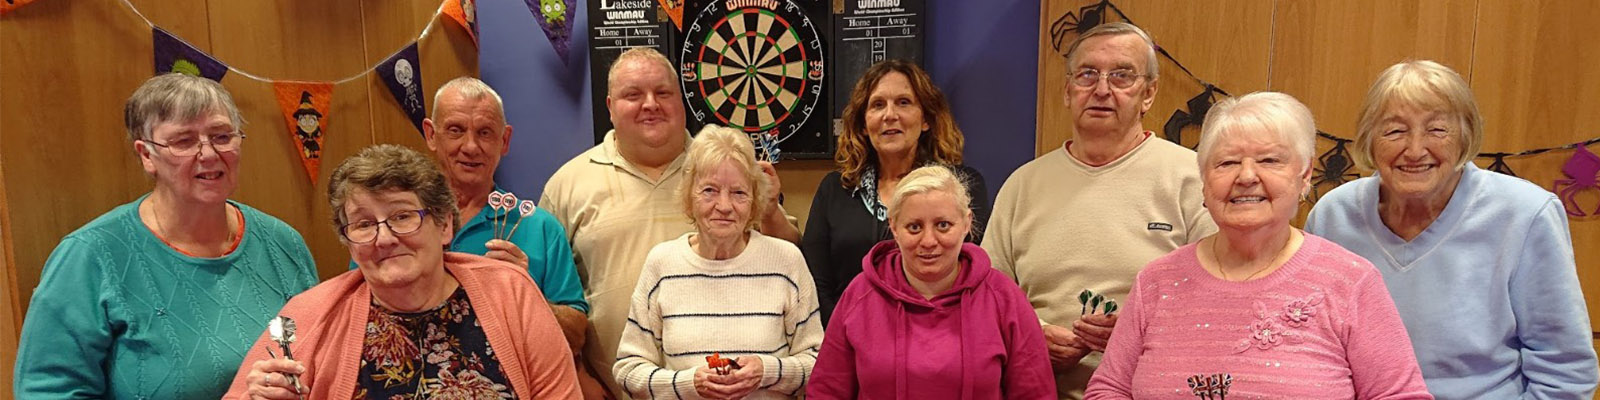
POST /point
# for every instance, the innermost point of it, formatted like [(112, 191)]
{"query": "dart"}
[(494, 206), (1083, 298), (509, 204), (525, 209)]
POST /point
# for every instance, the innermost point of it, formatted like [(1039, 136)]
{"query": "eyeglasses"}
[(190, 146), (1120, 79), (400, 223)]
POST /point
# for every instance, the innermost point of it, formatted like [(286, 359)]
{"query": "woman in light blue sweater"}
[(160, 298), (1479, 263)]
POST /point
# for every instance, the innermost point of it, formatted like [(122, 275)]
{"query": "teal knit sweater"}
[(119, 314)]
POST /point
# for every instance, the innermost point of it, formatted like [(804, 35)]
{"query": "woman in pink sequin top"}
[(1260, 309)]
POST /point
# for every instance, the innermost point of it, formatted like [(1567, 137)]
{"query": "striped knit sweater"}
[(760, 303)]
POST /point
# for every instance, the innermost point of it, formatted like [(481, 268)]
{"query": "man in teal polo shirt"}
[(468, 134)]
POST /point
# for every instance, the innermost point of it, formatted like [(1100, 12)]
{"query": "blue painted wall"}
[(547, 101), (984, 54)]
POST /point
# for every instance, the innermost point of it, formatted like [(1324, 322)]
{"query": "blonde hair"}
[(941, 144), (469, 88), (929, 179), (714, 145), (1115, 29), (645, 55), (175, 97), (1422, 84), (1276, 113)]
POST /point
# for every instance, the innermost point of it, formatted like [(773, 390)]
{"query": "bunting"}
[(7, 6), (403, 75), (674, 9), (555, 18), (174, 55), (305, 108), (464, 13)]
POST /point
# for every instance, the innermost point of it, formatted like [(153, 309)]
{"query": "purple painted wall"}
[(983, 54)]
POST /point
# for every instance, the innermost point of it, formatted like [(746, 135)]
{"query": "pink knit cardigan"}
[(332, 319)]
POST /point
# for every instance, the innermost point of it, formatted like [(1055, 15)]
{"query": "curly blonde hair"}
[(940, 145), (710, 148)]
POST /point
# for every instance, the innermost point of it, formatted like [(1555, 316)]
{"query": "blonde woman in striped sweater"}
[(723, 290)]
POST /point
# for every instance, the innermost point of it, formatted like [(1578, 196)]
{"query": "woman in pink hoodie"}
[(927, 317)]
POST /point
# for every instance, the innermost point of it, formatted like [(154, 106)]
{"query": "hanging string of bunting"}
[(306, 105), (1334, 166)]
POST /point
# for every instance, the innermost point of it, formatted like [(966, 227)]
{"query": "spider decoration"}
[(1582, 171), (1210, 387), (1499, 164), (1087, 17), (1335, 169), (1199, 105)]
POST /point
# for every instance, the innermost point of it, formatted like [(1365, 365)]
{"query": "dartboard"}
[(754, 65)]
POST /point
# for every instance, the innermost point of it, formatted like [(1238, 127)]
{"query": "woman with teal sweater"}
[(159, 298)]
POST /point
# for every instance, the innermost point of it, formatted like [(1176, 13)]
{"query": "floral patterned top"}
[(439, 353)]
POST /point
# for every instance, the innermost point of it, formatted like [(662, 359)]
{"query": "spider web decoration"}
[(1499, 164), (1199, 105), (1333, 167)]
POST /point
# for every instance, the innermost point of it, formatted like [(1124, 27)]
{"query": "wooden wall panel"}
[(1536, 89), (1326, 53), (69, 66)]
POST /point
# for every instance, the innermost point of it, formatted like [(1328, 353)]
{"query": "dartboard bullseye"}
[(754, 65)]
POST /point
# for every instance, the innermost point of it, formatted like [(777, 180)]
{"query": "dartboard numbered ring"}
[(754, 65)]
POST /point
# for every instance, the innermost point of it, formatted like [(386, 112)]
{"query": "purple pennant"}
[(175, 55), (556, 18), (403, 75)]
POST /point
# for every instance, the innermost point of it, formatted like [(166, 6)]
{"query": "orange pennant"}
[(465, 13), (305, 109), (7, 6), (674, 9)]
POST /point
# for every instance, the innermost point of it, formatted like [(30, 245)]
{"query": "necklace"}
[(1217, 257), (161, 231)]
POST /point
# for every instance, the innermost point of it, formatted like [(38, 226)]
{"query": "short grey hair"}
[(469, 88), (1422, 84), (647, 55), (1273, 112), (175, 97), (1116, 29)]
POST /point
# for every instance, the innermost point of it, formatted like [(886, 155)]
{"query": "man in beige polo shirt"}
[(617, 200)]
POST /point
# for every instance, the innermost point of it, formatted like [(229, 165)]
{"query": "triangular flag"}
[(305, 109), (403, 75), (175, 55), (555, 17), (465, 13), (6, 6), (674, 9)]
